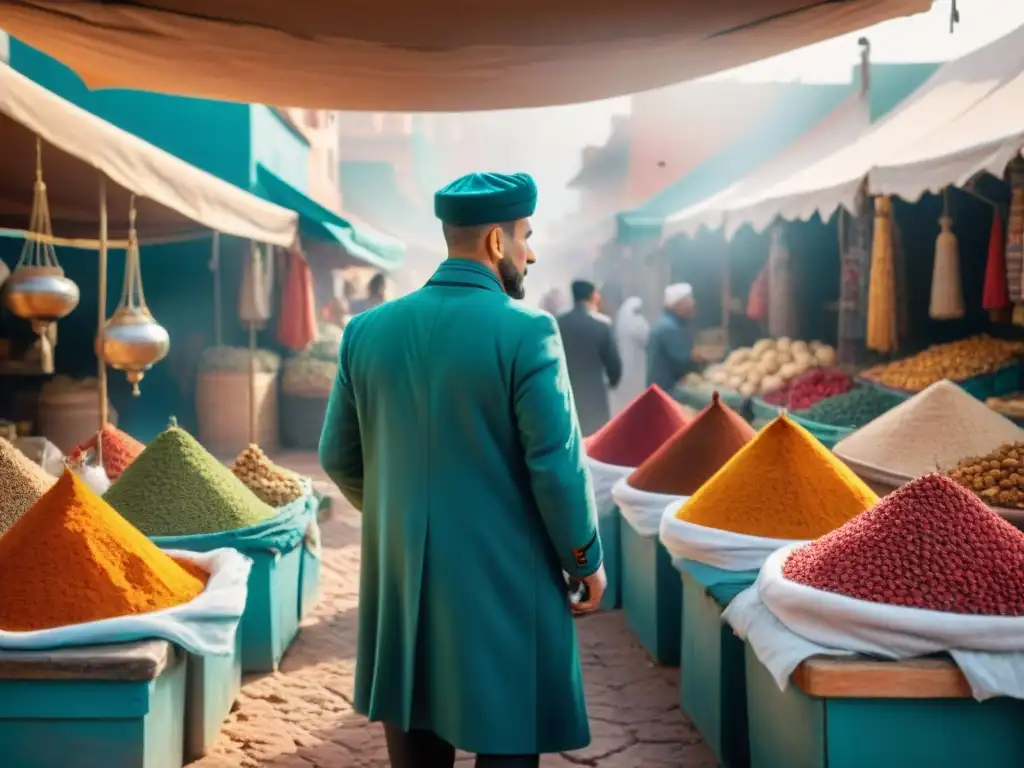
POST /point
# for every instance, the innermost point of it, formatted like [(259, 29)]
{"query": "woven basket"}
[(222, 411), (67, 417), (302, 421)]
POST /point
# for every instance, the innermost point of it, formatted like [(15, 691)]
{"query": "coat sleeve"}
[(341, 445), (611, 359), (553, 447)]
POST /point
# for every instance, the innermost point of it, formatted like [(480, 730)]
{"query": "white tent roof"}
[(841, 126), (959, 120), (174, 196)]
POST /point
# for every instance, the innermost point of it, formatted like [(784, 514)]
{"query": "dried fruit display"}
[(996, 477), (812, 387), (956, 361), (931, 544), (272, 484)]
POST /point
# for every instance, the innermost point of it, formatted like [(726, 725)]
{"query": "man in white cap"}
[(670, 354)]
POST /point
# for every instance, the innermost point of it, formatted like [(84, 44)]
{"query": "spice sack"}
[(927, 570), (642, 509), (715, 547), (205, 626), (603, 478)]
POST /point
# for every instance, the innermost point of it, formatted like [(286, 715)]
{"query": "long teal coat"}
[(452, 427)]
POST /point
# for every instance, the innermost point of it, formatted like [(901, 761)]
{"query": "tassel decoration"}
[(881, 330), (947, 301)]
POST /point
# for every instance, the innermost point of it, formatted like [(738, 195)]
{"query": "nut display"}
[(997, 478), (306, 375), (956, 361), (236, 360), (766, 366), (1010, 406), (272, 484)]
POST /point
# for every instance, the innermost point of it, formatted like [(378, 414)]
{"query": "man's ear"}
[(494, 242)]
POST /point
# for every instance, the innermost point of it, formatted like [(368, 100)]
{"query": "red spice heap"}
[(690, 457), (931, 544), (638, 431), (808, 389), (119, 450)]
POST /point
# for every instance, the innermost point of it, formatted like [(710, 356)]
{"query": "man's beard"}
[(512, 279)]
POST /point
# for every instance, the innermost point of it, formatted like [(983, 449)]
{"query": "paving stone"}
[(302, 716)]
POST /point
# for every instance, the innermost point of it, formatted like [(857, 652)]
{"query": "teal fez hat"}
[(486, 198)]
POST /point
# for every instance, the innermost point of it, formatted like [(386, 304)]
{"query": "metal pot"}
[(41, 295), (133, 342)]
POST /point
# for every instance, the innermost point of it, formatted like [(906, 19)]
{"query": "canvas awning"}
[(360, 242), (409, 55), (173, 197), (936, 137), (840, 127)]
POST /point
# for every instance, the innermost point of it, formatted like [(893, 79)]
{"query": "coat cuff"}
[(586, 559)]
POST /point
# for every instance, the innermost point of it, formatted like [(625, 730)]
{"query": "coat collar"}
[(465, 273)]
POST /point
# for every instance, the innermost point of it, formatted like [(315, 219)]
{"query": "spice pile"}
[(930, 432), (236, 360), (21, 483), (997, 477), (119, 450), (852, 409), (176, 488), (306, 375), (638, 430), (931, 544), (806, 390), (71, 559), (782, 485), (695, 453), (957, 361), (271, 484), (768, 365)]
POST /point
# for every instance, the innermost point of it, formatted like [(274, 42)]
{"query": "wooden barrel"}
[(222, 411), (66, 417)]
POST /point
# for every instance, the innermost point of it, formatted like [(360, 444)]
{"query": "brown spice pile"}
[(997, 477), (22, 482)]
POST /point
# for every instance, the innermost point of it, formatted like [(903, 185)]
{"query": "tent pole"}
[(218, 325), (252, 357), (101, 373)]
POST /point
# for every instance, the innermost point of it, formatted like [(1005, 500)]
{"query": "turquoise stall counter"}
[(311, 567), (611, 545), (112, 706), (860, 713), (712, 682), (651, 594), (214, 683)]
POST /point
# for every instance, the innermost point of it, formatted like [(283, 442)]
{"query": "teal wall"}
[(278, 147)]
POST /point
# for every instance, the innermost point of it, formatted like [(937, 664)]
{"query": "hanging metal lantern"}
[(133, 341), (37, 289)]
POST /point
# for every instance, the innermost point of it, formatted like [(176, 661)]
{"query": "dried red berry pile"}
[(810, 388), (119, 450), (931, 544)]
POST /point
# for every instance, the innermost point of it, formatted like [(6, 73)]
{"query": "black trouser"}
[(423, 749)]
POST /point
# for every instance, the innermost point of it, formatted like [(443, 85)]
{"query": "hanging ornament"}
[(947, 301), (37, 289), (882, 316), (995, 297), (133, 341)]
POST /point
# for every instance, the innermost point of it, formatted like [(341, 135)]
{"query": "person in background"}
[(670, 354), (451, 426), (631, 332), (376, 292), (553, 302), (592, 356)]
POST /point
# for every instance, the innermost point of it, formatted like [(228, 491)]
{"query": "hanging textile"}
[(882, 317), (782, 317), (296, 328), (855, 262), (947, 300), (757, 299), (257, 287), (1015, 242), (996, 297)]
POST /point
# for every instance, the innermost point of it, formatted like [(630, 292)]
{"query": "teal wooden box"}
[(213, 685), (878, 714), (611, 544), (310, 571), (115, 706), (271, 621), (712, 683), (651, 594)]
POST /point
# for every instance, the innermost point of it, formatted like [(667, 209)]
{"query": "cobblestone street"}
[(302, 716)]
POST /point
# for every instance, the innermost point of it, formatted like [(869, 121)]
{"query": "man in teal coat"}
[(452, 428)]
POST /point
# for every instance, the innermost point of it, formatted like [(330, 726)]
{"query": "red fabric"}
[(638, 430), (296, 325), (757, 300), (996, 295)]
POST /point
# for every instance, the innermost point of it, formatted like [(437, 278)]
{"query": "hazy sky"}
[(924, 37)]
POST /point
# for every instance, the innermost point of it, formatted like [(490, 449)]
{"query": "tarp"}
[(174, 198), (410, 55), (938, 136), (841, 126), (361, 243)]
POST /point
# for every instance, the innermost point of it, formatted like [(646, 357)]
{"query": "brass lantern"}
[(37, 289), (133, 341)]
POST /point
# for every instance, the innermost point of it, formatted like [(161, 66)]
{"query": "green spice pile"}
[(21, 483), (176, 488), (851, 409)]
